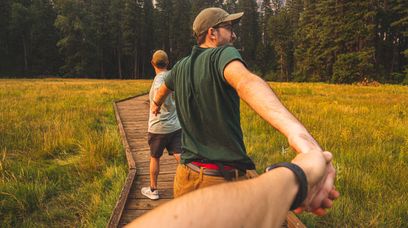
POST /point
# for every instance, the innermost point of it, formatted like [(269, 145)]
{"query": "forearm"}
[(264, 101), (161, 94), (260, 202)]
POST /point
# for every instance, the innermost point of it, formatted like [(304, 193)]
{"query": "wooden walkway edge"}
[(132, 118)]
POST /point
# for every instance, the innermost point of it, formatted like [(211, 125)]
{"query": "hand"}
[(320, 174), (154, 108)]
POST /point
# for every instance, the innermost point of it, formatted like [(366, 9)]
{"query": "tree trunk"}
[(118, 53), (281, 66), (25, 56), (135, 66), (102, 65)]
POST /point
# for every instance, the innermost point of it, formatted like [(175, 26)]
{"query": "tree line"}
[(294, 40)]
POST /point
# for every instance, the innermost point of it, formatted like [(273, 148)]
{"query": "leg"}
[(154, 172), (156, 145)]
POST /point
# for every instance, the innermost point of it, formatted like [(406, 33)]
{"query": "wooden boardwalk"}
[(132, 116)]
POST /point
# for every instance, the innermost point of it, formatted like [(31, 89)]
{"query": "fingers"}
[(298, 210), (319, 212), (328, 156), (334, 194), (327, 203)]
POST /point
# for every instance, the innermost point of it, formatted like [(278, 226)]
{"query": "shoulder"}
[(226, 50)]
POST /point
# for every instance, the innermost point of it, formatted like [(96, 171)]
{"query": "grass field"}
[(366, 128), (61, 158), (62, 163)]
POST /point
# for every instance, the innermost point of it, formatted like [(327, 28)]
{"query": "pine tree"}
[(181, 33), (20, 25), (73, 23), (132, 33), (100, 33), (116, 33), (248, 34), (5, 11)]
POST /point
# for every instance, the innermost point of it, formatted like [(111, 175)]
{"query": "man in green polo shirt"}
[(208, 85)]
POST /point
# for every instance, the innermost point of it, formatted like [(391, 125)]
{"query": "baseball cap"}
[(211, 17), (160, 58)]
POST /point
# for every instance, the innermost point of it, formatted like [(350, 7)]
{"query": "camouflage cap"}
[(160, 58), (211, 17)]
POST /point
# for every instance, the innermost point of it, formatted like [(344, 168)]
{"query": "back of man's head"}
[(211, 17), (160, 59)]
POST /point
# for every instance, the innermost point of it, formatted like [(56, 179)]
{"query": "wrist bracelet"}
[(300, 176), (156, 103)]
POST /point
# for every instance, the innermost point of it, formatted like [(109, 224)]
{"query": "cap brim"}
[(235, 17)]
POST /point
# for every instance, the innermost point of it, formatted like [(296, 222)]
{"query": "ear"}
[(210, 33)]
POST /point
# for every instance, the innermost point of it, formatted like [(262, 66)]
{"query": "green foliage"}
[(296, 40), (61, 158), (352, 67), (248, 30)]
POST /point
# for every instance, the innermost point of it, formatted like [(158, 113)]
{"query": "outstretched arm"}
[(260, 202), (260, 97)]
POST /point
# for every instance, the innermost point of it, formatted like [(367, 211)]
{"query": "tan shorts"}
[(187, 180)]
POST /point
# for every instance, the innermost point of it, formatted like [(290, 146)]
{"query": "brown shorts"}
[(170, 141), (187, 180)]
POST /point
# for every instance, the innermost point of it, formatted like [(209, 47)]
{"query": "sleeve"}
[(227, 55), (169, 79), (158, 82)]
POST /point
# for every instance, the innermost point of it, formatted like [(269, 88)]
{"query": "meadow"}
[(62, 162), (61, 157), (366, 129)]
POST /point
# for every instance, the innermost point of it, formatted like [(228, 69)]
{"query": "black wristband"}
[(300, 176), (155, 103)]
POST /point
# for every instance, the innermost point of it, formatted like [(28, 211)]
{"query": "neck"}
[(208, 44), (158, 70)]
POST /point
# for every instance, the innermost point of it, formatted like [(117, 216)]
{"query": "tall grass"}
[(366, 128), (62, 164), (61, 159)]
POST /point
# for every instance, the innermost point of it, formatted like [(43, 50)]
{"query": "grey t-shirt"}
[(167, 121)]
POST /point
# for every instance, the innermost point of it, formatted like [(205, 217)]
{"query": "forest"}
[(332, 41)]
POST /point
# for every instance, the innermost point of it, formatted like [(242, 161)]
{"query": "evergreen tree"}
[(116, 34), (401, 24), (132, 33), (163, 24), (5, 11), (20, 26), (281, 37), (248, 34), (182, 29)]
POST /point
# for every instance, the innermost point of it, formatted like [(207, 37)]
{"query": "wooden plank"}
[(161, 177), (123, 198), (130, 215), (160, 184), (129, 157), (164, 193), (144, 204)]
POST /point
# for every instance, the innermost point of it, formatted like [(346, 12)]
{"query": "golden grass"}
[(62, 162), (366, 128)]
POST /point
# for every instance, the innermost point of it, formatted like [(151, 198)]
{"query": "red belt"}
[(211, 166)]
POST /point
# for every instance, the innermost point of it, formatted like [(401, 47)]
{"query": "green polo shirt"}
[(208, 107)]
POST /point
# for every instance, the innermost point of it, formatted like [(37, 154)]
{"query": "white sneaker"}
[(146, 191)]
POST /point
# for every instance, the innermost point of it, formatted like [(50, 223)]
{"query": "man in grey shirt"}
[(164, 129)]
